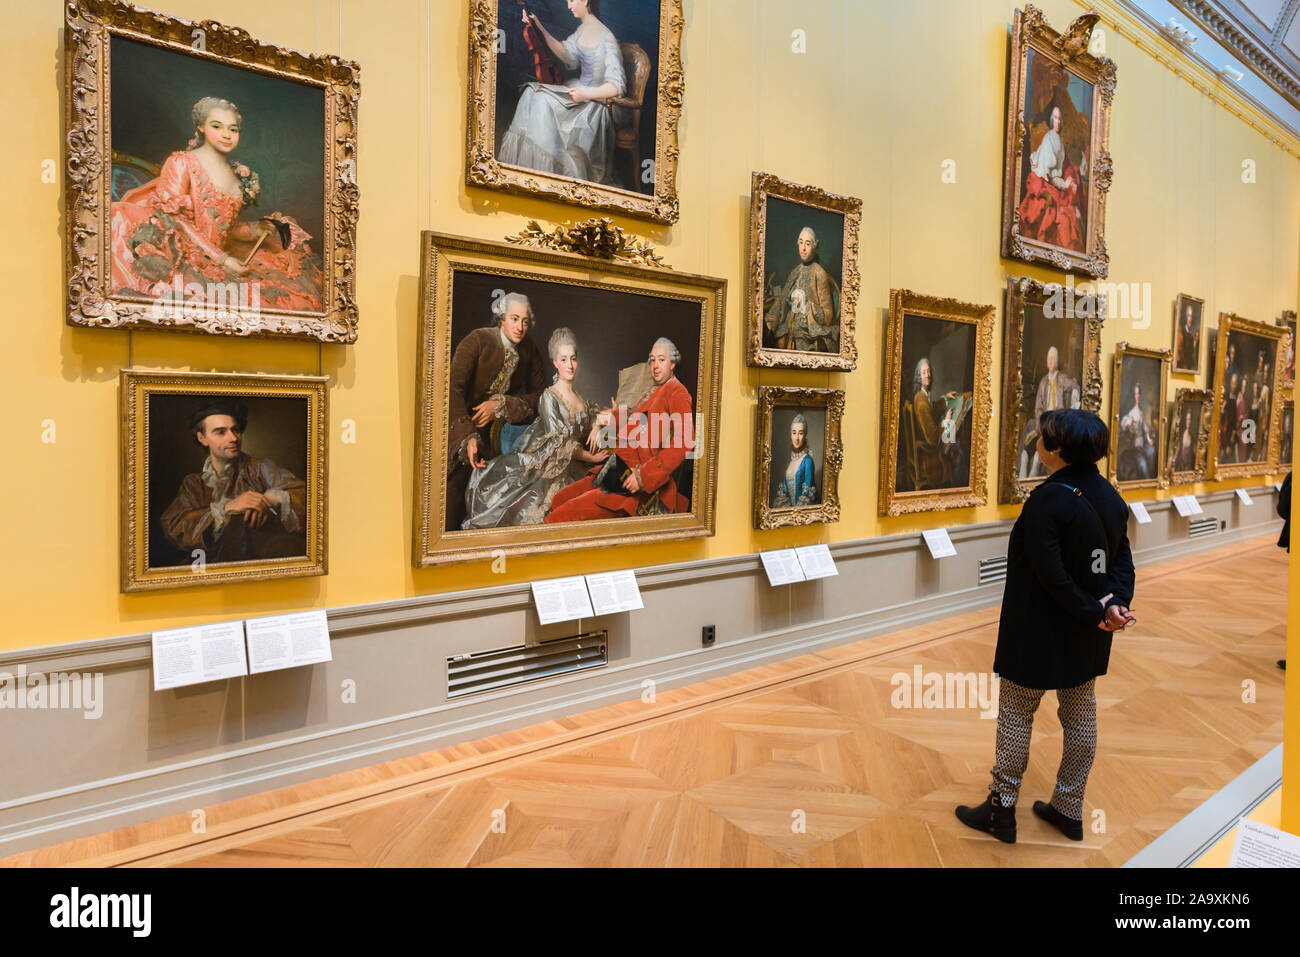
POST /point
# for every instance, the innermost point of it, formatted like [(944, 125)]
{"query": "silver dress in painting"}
[(516, 489), (553, 134)]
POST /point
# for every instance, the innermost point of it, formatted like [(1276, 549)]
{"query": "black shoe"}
[(1066, 825), (992, 818), (1281, 663)]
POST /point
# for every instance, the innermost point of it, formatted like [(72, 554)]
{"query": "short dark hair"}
[(1080, 436)]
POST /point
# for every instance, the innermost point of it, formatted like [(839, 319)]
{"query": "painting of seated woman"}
[(224, 198)]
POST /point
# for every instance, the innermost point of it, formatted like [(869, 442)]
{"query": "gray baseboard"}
[(157, 753)]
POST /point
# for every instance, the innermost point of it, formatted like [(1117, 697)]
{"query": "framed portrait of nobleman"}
[(799, 455), (1051, 359), (1189, 436), (1137, 416), (577, 100), (803, 271), (1247, 397), (1189, 313), (211, 179), (937, 404), (223, 478), (1057, 168), (564, 400)]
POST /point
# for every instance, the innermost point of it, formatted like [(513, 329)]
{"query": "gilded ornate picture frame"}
[(1138, 402), (1287, 321), (1051, 358), (1248, 359), (594, 329), (616, 149), (1189, 436), (1189, 324), (1057, 167), (803, 275), (223, 478), (798, 456), (937, 404), (1286, 437), (140, 253)]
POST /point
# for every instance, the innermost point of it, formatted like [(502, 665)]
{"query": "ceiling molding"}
[(1232, 24)]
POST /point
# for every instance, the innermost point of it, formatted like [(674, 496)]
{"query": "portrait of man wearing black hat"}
[(238, 507)]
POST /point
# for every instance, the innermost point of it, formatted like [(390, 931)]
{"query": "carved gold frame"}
[(483, 169), (1284, 467), (1197, 473), (1179, 302), (441, 256), (1288, 322), (1230, 322), (762, 186), (136, 387), (903, 302), (1021, 292), (89, 27), (832, 400), (1069, 49), (1161, 404)]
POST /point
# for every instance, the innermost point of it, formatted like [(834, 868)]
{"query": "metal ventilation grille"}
[(518, 664), (993, 570), (1200, 527)]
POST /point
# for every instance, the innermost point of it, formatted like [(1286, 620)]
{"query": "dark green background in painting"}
[(283, 134), (781, 246)]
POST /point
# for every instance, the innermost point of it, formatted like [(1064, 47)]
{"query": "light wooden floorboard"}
[(802, 763)]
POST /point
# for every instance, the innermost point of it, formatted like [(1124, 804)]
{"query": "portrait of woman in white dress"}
[(516, 489), (569, 129)]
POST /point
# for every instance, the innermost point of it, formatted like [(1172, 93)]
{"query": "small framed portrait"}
[(1287, 322), (1057, 164), (1248, 382), (1052, 360), (1188, 312), (211, 187), (1211, 358), (803, 267), (1286, 436), (577, 100), (937, 404), (798, 457), (223, 478), (564, 401), (1137, 408), (1189, 436)]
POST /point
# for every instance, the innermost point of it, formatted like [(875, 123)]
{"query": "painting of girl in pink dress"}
[(180, 235)]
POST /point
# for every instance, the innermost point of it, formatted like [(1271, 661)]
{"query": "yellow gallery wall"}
[(885, 93)]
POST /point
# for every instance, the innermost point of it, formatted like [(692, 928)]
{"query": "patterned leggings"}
[(1077, 709)]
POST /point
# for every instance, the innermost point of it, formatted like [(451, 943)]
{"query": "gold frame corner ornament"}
[(441, 257), (136, 386), (1200, 459), (1230, 322), (1089, 309), (1068, 49), (1161, 404), (484, 170), (902, 302), (89, 27), (767, 516), (763, 185)]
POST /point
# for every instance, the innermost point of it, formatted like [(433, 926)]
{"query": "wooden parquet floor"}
[(802, 763)]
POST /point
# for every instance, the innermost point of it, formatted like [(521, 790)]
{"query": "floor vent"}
[(519, 664), (993, 570), (1200, 527)]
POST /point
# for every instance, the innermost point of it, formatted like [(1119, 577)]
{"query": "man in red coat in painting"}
[(658, 436), (1049, 210)]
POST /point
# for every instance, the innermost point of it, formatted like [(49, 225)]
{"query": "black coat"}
[(1048, 636), (1284, 512)]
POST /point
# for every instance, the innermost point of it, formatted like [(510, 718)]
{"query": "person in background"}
[(1284, 540), (1068, 587)]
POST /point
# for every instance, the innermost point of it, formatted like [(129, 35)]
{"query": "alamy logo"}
[(102, 910), (57, 690), (945, 690), (210, 300)]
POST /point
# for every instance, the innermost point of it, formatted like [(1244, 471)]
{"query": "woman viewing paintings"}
[(568, 130), (516, 489), (183, 227)]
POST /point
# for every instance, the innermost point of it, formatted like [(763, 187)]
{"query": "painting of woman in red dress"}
[(180, 233), (1053, 203)]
